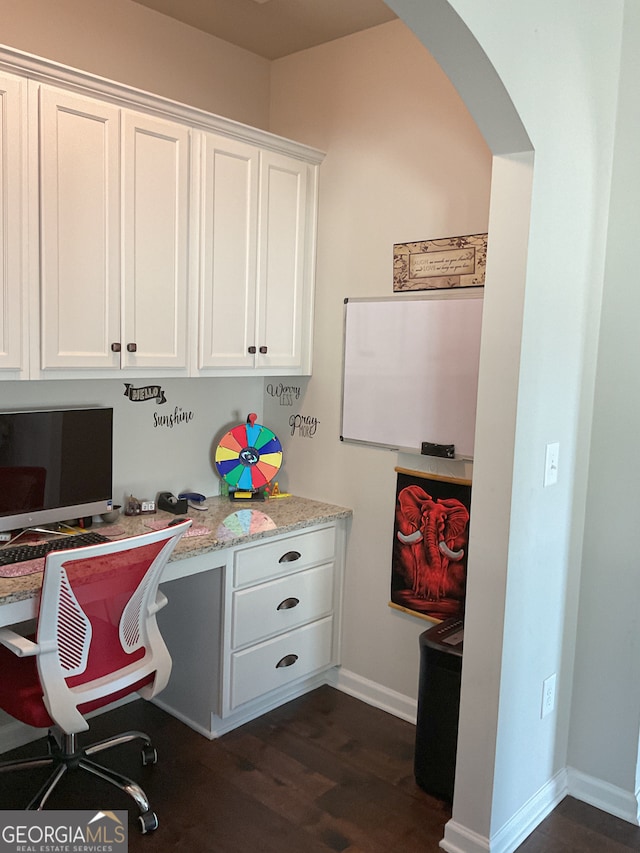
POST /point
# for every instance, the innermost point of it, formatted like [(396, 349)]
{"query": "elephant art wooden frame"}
[(430, 545)]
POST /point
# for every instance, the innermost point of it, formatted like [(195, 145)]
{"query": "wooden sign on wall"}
[(443, 263)]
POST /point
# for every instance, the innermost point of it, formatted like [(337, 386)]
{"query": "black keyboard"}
[(22, 553)]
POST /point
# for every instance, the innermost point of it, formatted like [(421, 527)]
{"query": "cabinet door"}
[(229, 218), (13, 289), (155, 247), (80, 193), (281, 270)]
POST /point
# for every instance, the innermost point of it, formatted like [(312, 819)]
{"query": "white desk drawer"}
[(269, 559), (281, 605), (276, 662)]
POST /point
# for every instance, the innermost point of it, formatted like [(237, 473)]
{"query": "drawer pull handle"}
[(132, 347), (287, 660), (288, 603), (252, 350), (290, 557), (115, 347), (263, 350)]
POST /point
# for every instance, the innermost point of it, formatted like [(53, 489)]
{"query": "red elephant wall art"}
[(431, 535)]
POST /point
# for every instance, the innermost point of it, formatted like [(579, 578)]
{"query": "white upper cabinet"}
[(114, 215), (257, 242), (80, 231), (155, 242), (228, 253), (143, 237), (283, 286), (13, 223)]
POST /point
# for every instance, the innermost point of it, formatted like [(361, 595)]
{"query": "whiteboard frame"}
[(476, 292)]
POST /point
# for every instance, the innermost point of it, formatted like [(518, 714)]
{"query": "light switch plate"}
[(551, 463)]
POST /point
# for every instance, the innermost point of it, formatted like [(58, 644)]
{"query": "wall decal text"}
[(305, 425), (178, 416), (148, 392), (286, 393)]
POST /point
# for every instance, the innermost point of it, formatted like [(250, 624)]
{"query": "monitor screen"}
[(55, 465)]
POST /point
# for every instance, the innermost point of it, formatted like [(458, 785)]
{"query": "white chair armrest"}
[(160, 602), (20, 646)]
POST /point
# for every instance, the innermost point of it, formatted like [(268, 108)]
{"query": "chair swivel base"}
[(65, 754)]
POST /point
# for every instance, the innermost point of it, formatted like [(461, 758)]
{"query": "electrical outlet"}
[(548, 695)]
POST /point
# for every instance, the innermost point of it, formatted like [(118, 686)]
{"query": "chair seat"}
[(21, 693)]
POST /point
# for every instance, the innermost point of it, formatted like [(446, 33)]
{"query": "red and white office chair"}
[(96, 641)]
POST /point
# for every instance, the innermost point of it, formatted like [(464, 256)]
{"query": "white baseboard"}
[(169, 709), (609, 798), (251, 710), (568, 781), (459, 839), (375, 694), (511, 835)]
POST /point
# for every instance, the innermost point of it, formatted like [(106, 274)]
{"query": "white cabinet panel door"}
[(228, 247), (281, 269), (155, 247), (80, 222), (13, 285)]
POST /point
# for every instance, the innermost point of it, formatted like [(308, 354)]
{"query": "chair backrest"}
[(97, 630)]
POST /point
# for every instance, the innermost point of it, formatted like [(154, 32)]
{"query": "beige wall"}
[(404, 162), (123, 41)]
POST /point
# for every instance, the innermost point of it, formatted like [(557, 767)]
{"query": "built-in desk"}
[(254, 606)]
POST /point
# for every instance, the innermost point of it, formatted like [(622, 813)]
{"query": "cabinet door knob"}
[(116, 347), (132, 347), (288, 603), (252, 350), (290, 557), (287, 660), (263, 350)]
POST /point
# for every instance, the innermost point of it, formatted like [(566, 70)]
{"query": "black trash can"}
[(438, 707)]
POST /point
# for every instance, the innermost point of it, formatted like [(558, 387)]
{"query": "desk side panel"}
[(191, 627)]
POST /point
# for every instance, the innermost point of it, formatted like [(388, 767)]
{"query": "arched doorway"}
[(457, 51)]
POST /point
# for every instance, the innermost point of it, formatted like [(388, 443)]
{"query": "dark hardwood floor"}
[(323, 773)]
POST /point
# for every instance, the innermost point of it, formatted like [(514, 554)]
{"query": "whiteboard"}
[(411, 370)]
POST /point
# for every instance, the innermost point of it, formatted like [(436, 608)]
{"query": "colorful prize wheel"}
[(249, 456)]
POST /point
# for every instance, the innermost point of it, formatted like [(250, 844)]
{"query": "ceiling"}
[(275, 28)]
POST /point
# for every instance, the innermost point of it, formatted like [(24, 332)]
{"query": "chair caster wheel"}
[(149, 755), (148, 822)]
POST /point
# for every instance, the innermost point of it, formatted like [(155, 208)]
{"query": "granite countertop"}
[(225, 524)]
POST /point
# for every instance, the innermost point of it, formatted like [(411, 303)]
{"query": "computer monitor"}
[(55, 465)]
